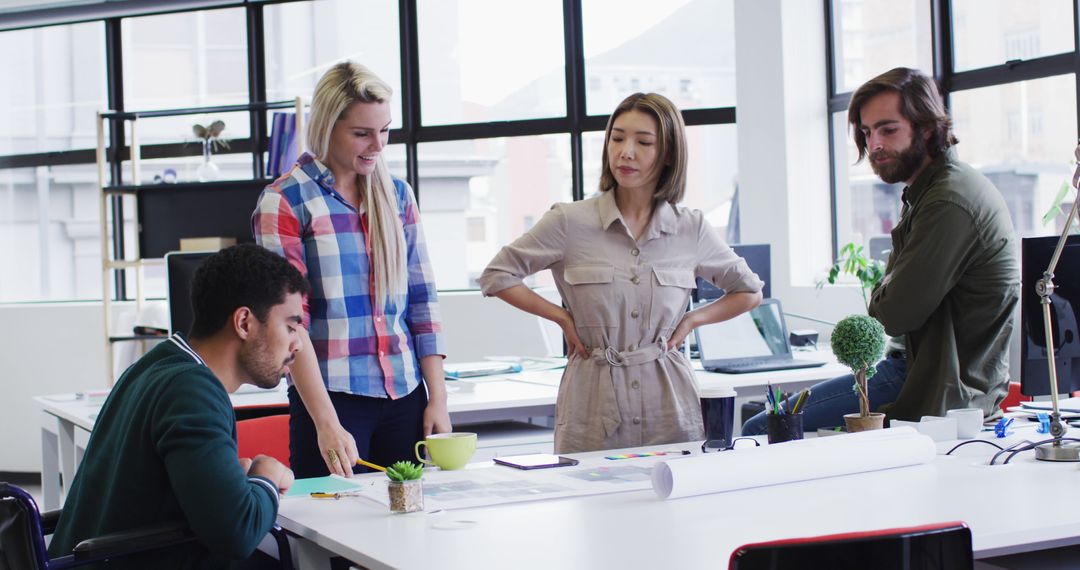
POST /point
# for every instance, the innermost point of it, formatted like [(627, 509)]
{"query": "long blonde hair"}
[(344, 84)]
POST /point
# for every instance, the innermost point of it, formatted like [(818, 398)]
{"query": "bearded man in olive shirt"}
[(953, 278)]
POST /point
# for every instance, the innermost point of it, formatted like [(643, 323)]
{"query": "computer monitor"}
[(180, 267), (1035, 254), (757, 256)]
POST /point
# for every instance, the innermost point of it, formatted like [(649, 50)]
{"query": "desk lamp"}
[(1055, 449)]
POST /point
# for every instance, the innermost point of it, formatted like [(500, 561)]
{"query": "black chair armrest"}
[(133, 541), (49, 520)]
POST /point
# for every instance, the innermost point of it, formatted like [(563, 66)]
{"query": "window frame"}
[(949, 80), (411, 134)]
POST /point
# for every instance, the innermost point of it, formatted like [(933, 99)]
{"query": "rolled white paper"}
[(800, 460)]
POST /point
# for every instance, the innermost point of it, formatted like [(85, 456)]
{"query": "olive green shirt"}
[(950, 288)]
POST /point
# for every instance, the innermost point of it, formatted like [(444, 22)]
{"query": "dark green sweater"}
[(163, 449), (950, 288)]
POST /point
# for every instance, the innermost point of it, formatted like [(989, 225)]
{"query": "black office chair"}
[(23, 530), (934, 546)]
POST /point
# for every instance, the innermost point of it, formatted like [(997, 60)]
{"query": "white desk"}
[(638, 530), (66, 422), (493, 398)]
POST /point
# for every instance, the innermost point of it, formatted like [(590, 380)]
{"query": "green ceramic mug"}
[(448, 450)]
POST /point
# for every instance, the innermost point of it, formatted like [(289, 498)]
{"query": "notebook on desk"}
[(756, 341)]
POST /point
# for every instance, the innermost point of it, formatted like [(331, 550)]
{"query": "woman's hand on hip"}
[(684, 328), (573, 343)]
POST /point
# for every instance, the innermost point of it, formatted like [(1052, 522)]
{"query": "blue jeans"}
[(831, 399)]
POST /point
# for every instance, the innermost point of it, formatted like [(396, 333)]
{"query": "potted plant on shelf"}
[(858, 341), (406, 487), (852, 261)]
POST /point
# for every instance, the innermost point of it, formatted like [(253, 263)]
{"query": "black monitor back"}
[(1035, 254), (180, 267), (757, 256)]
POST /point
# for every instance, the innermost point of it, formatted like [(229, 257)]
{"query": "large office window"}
[(498, 112), (482, 194), (49, 218), (683, 49), (303, 39), (1009, 75), (993, 32), (491, 60)]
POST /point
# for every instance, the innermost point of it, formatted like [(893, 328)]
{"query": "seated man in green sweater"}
[(163, 448)]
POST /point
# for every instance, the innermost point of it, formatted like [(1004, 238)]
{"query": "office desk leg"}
[(50, 465), (68, 464)]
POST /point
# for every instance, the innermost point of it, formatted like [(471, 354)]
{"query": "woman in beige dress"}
[(624, 262)]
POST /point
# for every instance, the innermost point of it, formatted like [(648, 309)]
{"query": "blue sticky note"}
[(328, 484)]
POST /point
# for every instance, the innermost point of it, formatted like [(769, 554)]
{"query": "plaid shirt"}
[(360, 351)]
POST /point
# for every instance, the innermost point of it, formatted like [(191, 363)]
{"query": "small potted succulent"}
[(858, 341), (406, 487)]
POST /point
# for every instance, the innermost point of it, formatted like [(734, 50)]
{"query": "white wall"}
[(783, 152), (46, 348)]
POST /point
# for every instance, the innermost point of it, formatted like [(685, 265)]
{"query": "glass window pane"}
[(710, 182), (51, 104), (1022, 136), (52, 214), (189, 59), (992, 32), (479, 195), (303, 39), (684, 49), (871, 37), (490, 60), (867, 209)]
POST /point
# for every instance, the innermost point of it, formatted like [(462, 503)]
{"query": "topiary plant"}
[(405, 471), (858, 341)]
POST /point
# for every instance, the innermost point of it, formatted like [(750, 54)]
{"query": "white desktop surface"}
[(528, 394), (1022, 507)]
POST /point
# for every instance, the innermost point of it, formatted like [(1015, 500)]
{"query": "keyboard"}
[(754, 365)]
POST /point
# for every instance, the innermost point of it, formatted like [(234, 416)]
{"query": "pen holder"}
[(784, 427)]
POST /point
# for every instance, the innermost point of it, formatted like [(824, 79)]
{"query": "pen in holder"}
[(784, 425)]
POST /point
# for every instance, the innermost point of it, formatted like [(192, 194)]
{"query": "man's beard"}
[(904, 164), (257, 365)]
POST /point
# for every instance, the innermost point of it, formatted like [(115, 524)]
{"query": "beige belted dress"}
[(626, 298)]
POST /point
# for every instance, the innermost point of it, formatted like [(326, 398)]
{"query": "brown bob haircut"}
[(920, 103), (670, 145)]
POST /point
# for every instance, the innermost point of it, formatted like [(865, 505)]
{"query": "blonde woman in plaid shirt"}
[(358, 386)]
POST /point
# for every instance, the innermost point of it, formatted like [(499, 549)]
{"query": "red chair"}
[(1014, 397), (268, 435), (940, 545)]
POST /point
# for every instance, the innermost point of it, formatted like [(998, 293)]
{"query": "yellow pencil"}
[(371, 465)]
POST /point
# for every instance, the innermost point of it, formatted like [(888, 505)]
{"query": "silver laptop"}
[(756, 341)]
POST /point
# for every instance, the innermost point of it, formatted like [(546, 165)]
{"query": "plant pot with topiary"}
[(406, 487), (858, 341)]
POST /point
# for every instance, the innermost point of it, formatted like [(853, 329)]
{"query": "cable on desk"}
[(959, 445)]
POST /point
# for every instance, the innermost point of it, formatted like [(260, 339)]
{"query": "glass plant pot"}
[(406, 496), (207, 170)]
